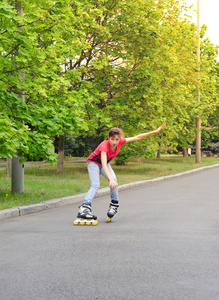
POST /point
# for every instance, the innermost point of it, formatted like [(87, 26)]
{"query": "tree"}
[(131, 59), (26, 128), (138, 58), (91, 65)]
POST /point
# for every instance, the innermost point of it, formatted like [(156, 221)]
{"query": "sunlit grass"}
[(42, 182)]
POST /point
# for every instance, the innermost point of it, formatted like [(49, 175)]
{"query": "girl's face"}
[(113, 141)]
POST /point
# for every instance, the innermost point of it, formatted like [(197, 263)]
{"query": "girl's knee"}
[(95, 186)]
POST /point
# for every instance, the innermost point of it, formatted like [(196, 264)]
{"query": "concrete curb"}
[(33, 208)]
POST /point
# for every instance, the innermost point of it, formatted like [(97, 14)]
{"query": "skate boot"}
[(85, 216), (112, 210)]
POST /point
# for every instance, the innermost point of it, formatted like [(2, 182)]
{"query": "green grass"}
[(42, 182)]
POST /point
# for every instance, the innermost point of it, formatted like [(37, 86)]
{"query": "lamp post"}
[(17, 169), (198, 121)]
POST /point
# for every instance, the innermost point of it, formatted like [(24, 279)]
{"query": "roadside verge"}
[(34, 208)]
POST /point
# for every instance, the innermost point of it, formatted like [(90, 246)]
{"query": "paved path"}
[(163, 245)]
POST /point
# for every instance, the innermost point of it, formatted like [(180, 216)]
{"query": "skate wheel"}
[(82, 223), (75, 222), (95, 223), (108, 220), (88, 223)]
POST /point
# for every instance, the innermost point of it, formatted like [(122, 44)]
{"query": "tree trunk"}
[(185, 153), (9, 167), (158, 153), (61, 154), (139, 160)]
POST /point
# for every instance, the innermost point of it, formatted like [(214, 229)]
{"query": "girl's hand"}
[(113, 184), (160, 128)]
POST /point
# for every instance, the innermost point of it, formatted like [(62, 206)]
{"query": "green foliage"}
[(30, 66), (133, 150), (13, 134), (85, 66)]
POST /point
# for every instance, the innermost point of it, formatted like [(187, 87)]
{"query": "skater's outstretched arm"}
[(144, 135), (112, 183)]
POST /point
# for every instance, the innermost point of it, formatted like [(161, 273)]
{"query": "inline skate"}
[(112, 210), (85, 216)]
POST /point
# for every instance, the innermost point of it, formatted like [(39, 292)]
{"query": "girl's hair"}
[(114, 131)]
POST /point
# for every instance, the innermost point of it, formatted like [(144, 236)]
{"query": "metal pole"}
[(198, 121), (17, 169), (17, 178)]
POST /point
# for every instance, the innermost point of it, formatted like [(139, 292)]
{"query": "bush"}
[(212, 148), (133, 150)]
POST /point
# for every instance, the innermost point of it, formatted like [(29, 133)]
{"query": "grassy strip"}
[(42, 182)]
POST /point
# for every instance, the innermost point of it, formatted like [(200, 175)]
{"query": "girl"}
[(98, 163)]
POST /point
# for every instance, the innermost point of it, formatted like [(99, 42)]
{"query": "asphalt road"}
[(163, 245)]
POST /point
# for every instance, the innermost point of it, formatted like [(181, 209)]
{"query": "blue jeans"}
[(94, 170)]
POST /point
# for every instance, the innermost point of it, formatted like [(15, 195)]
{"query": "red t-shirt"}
[(104, 146)]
